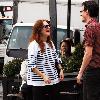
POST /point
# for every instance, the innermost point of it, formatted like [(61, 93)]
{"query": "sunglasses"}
[(46, 26)]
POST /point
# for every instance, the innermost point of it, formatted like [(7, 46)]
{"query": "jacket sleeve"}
[(32, 55), (23, 71)]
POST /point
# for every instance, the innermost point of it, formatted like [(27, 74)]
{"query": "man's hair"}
[(92, 8)]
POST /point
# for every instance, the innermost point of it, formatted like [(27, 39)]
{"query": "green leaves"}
[(12, 67), (73, 63)]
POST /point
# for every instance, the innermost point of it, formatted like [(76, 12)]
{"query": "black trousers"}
[(49, 92), (26, 91), (91, 84)]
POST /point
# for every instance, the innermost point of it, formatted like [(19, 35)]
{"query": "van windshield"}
[(20, 37)]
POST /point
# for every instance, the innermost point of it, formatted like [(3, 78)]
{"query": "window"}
[(19, 37), (61, 34), (21, 34)]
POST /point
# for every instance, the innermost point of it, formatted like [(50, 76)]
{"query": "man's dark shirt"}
[(92, 38)]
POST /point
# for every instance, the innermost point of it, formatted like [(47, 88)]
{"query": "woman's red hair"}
[(36, 35)]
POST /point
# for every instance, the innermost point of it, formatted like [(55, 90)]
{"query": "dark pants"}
[(91, 84), (49, 92), (26, 91)]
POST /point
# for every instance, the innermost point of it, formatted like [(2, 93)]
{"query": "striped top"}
[(44, 62)]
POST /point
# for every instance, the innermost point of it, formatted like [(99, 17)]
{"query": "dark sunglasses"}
[(46, 26)]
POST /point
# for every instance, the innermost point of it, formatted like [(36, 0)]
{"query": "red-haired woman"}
[(42, 56)]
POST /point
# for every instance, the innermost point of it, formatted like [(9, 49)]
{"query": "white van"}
[(18, 41)]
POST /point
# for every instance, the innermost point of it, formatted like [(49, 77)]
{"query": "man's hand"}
[(79, 78)]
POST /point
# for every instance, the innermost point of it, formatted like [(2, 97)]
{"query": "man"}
[(90, 68)]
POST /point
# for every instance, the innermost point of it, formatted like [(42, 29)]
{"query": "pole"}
[(97, 1), (68, 18), (53, 20), (15, 11)]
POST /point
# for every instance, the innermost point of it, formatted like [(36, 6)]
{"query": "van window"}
[(7, 26), (21, 34), (7, 21), (19, 37), (61, 34)]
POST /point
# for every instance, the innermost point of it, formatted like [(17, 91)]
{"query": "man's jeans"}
[(91, 84)]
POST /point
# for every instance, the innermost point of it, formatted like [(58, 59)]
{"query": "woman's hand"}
[(46, 79), (61, 75)]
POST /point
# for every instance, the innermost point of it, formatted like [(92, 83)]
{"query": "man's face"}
[(83, 14)]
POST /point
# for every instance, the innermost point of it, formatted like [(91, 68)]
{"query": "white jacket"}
[(23, 71)]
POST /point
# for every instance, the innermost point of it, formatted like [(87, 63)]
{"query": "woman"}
[(65, 53), (42, 56), (65, 48)]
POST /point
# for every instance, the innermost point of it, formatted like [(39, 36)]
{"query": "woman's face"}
[(63, 46), (46, 29)]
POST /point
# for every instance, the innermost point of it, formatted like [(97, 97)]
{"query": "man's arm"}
[(86, 59)]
